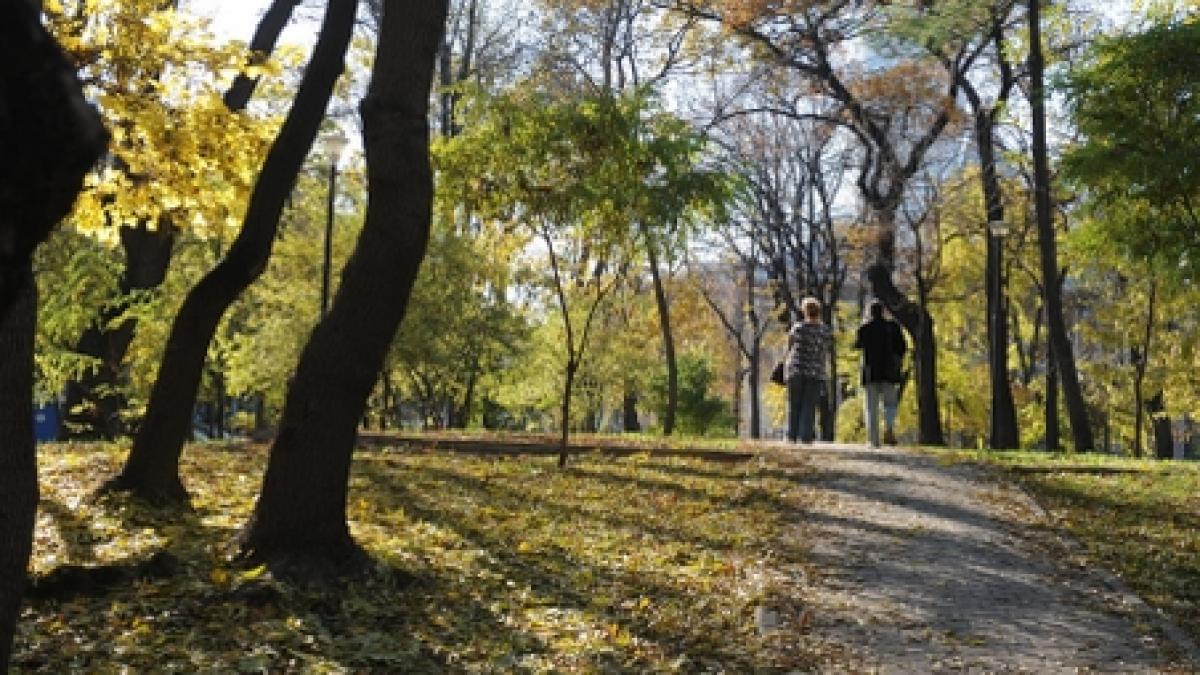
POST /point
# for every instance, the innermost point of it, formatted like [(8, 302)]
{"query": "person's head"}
[(811, 308), (876, 309)]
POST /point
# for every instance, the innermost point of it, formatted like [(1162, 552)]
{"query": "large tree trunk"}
[(152, 468), (50, 138), (664, 322), (919, 324), (1081, 428), (18, 465), (93, 404), (299, 521)]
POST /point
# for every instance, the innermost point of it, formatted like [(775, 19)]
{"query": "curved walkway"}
[(925, 567)]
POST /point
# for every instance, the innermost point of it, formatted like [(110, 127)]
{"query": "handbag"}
[(777, 374)]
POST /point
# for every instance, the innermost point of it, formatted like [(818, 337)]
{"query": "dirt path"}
[(923, 567)]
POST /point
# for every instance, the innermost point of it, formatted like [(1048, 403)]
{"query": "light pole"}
[(333, 145)]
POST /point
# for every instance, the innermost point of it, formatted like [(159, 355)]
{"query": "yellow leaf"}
[(255, 573)]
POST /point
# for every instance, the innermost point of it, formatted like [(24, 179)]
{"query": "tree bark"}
[(1164, 440), (1003, 432), (93, 405), (1053, 431), (1081, 429), (629, 417), (919, 324), (50, 138), (152, 468), (664, 322), (754, 378), (18, 463), (299, 522), (1141, 362)]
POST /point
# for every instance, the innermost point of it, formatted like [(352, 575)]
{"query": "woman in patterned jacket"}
[(809, 343)]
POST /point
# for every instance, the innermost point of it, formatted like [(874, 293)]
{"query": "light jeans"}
[(888, 394)]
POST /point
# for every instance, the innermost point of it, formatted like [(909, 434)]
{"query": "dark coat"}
[(882, 344)]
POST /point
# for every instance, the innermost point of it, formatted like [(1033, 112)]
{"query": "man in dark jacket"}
[(882, 345)]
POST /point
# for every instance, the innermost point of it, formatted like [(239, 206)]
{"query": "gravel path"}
[(925, 567)]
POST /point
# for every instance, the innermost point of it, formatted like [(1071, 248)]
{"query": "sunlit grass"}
[(635, 564)]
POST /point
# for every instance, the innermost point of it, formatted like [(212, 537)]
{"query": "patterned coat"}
[(808, 350)]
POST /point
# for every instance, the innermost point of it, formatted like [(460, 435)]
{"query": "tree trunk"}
[(18, 463), (1164, 440), (1053, 432), (1141, 361), (152, 468), (755, 379), (1081, 429), (829, 405), (299, 522), (565, 410), (1003, 432), (51, 138), (919, 324), (629, 418), (92, 404), (664, 321)]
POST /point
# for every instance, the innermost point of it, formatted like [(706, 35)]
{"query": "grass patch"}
[(633, 564), (1137, 518)]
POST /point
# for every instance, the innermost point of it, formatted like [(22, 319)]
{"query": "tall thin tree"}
[(1064, 357)]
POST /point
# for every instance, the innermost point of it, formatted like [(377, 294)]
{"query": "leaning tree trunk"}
[(50, 138), (92, 403), (919, 324), (18, 464), (299, 522), (152, 468), (664, 322), (1081, 428)]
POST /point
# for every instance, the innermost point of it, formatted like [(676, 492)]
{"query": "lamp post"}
[(333, 145)]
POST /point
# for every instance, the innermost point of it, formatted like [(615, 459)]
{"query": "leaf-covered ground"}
[(1138, 518), (633, 564)]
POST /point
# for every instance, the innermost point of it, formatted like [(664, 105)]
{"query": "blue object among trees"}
[(46, 421)]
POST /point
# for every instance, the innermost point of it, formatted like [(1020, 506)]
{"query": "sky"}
[(237, 19)]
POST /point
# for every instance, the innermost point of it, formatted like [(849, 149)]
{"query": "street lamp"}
[(333, 146)]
